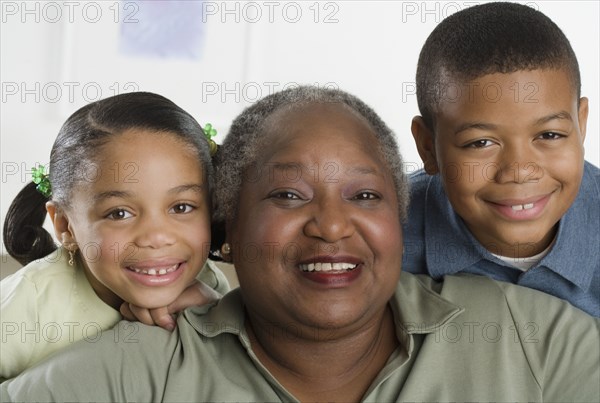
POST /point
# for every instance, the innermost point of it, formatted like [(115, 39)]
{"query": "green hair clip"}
[(209, 133), (40, 178)]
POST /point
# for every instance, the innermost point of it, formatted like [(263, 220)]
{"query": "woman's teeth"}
[(155, 271), (327, 266), (520, 207)]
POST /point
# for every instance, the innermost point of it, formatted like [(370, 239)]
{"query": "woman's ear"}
[(227, 246), (62, 229), (425, 144)]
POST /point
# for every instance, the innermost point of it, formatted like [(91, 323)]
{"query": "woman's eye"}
[(285, 196), (182, 208), (479, 144), (119, 214), (551, 136), (366, 196)]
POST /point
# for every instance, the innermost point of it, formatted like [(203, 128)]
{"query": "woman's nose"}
[(330, 221)]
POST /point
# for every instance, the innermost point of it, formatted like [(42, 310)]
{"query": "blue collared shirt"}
[(437, 242)]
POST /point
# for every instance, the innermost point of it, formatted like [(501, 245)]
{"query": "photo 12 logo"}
[(53, 92), (270, 11), (70, 11), (436, 11)]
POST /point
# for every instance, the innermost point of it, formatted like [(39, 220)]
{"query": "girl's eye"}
[(119, 214), (479, 144), (182, 208), (550, 136)]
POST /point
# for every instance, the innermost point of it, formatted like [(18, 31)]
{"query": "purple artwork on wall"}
[(162, 29)]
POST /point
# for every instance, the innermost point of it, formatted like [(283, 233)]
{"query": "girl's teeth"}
[(327, 266), (154, 272), (520, 207)]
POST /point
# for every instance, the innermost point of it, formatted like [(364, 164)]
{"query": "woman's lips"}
[(331, 271), (328, 267)]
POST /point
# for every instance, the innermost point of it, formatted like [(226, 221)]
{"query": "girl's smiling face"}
[(317, 238), (142, 219)]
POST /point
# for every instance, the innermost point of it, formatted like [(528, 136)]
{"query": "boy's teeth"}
[(154, 272), (520, 207), (327, 266)]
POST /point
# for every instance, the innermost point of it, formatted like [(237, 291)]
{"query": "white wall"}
[(56, 56)]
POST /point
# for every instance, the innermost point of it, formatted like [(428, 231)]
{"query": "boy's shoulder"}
[(592, 173), (420, 184), (419, 180)]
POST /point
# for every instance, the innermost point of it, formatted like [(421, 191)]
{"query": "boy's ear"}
[(425, 144), (583, 116), (62, 229)]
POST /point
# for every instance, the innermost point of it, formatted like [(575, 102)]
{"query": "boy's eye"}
[(550, 136), (182, 208), (479, 144), (119, 214)]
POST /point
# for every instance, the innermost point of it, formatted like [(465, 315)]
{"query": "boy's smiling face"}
[(509, 149)]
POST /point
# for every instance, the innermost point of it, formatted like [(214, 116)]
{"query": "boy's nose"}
[(329, 221), (517, 165)]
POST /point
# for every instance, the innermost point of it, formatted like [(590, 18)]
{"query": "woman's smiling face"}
[(317, 239)]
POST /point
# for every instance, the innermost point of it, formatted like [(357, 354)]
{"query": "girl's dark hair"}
[(73, 155)]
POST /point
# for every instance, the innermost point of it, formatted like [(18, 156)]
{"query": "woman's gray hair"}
[(241, 146)]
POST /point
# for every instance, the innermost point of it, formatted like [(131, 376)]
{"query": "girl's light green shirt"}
[(48, 304)]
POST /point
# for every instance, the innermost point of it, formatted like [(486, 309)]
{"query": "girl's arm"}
[(197, 294), (21, 331)]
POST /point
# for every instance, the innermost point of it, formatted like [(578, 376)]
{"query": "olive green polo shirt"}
[(469, 338)]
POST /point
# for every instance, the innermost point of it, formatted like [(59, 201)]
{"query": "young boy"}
[(505, 190)]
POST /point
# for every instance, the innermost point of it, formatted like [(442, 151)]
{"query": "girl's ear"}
[(62, 229), (425, 144)]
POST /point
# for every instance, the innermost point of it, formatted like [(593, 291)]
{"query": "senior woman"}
[(311, 190)]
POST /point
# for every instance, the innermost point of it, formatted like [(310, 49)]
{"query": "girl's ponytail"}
[(25, 238)]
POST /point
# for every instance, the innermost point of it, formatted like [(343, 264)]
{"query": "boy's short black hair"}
[(485, 39)]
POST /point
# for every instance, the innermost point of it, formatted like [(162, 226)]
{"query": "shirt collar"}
[(416, 309), (575, 255), (224, 316), (450, 246)]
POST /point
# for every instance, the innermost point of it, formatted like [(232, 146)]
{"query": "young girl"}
[(129, 196)]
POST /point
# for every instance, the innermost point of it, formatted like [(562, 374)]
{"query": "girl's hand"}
[(196, 294)]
